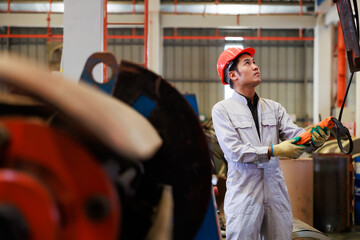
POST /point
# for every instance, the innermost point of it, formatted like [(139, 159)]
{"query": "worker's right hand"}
[(289, 149)]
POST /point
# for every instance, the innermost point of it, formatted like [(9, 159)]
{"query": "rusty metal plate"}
[(100, 57), (350, 34)]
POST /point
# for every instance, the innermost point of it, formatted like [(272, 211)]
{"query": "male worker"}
[(249, 130)]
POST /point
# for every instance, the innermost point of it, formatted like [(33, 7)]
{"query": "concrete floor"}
[(353, 234)]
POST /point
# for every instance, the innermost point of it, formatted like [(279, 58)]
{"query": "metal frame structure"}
[(145, 24), (47, 36), (258, 37), (144, 21)]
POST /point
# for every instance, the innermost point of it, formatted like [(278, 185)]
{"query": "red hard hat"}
[(226, 57)]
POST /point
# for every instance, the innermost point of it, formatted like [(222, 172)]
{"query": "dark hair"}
[(234, 65), (236, 61), (231, 84)]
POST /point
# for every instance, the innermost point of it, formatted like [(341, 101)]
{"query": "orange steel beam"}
[(168, 37), (267, 14), (8, 35), (48, 19), (127, 23), (259, 3), (341, 68), (125, 37), (105, 25), (244, 38), (217, 7), (133, 32)]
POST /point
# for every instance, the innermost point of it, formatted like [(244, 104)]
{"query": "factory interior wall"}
[(286, 67), (190, 65)]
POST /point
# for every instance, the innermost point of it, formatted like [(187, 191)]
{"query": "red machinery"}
[(89, 166), (57, 187)]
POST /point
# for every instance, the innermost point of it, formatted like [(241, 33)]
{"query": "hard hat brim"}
[(248, 50)]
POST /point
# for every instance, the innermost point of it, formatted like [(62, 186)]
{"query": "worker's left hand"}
[(319, 135)]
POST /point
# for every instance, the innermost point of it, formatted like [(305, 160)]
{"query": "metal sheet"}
[(332, 192), (303, 231)]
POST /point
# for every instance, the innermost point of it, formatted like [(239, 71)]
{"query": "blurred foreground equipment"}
[(217, 155), (182, 162), (302, 230), (99, 169), (44, 177)]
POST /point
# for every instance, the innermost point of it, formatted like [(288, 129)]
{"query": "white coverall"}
[(256, 201)]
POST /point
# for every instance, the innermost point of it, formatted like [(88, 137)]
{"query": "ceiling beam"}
[(172, 20), (30, 20), (242, 21)]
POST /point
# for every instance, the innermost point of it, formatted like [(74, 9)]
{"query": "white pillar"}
[(357, 100), (357, 105), (323, 48), (83, 35), (155, 43)]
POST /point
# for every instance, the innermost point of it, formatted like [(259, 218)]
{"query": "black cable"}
[(344, 131), (340, 127), (346, 93)]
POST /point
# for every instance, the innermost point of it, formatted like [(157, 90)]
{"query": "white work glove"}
[(288, 148), (319, 135)]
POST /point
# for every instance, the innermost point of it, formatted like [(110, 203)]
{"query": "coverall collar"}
[(244, 100)]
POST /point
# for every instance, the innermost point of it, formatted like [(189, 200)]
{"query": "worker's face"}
[(247, 73)]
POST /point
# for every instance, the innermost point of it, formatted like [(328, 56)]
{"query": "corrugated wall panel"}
[(195, 64), (309, 69), (282, 60), (192, 69), (126, 49), (191, 64), (274, 65), (351, 101), (283, 67), (34, 48), (179, 63), (169, 64)]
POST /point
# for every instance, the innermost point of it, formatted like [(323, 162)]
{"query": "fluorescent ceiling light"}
[(240, 45), (234, 38), (117, 7)]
